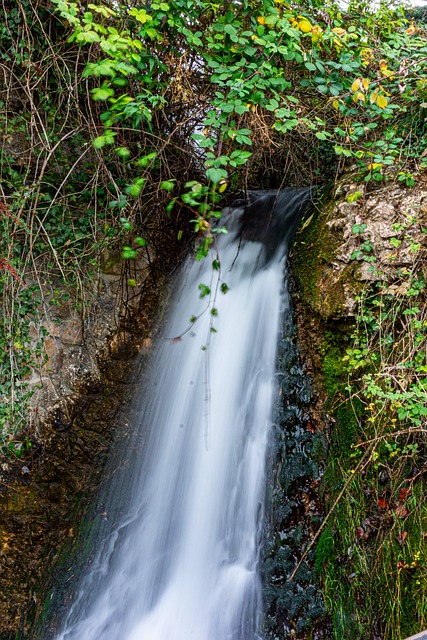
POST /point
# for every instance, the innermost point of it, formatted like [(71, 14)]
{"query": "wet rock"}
[(294, 608)]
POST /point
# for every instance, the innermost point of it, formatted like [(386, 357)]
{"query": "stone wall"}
[(90, 346)]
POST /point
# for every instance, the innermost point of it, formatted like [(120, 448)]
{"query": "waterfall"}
[(182, 526)]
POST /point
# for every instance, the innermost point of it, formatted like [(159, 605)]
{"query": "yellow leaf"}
[(366, 54), (261, 19), (358, 96), (336, 104), (383, 68), (365, 83), (374, 165), (340, 32), (411, 29), (374, 96), (356, 85), (316, 32), (382, 102), (306, 223), (222, 186), (304, 25)]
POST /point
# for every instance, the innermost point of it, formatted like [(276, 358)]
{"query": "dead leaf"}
[(401, 511), (401, 539), (403, 494)]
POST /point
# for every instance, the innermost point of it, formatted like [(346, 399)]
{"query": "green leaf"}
[(216, 175), (204, 290), (167, 185), (145, 161), (128, 253), (359, 228), (99, 142), (118, 204), (134, 190), (228, 28), (171, 205), (102, 93), (127, 226), (122, 152)]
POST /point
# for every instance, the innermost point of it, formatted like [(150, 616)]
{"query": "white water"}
[(180, 561)]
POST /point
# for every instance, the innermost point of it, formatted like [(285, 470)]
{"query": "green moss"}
[(324, 550), (306, 260), (74, 553)]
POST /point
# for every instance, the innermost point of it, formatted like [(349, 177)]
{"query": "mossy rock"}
[(327, 287)]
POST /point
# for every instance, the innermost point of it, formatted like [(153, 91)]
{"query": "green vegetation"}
[(386, 501), (370, 554)]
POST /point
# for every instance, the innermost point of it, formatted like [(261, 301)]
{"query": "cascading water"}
[(183, 525)]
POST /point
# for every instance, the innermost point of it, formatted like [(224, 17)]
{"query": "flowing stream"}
[(182, 528)]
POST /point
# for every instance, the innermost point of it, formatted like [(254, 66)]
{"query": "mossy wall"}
[(368, 557)]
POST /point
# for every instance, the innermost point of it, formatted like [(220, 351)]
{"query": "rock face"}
[(358, 238), (86, 357)]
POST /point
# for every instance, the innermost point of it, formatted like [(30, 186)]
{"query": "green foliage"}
[(54, 219), (266, 71)]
